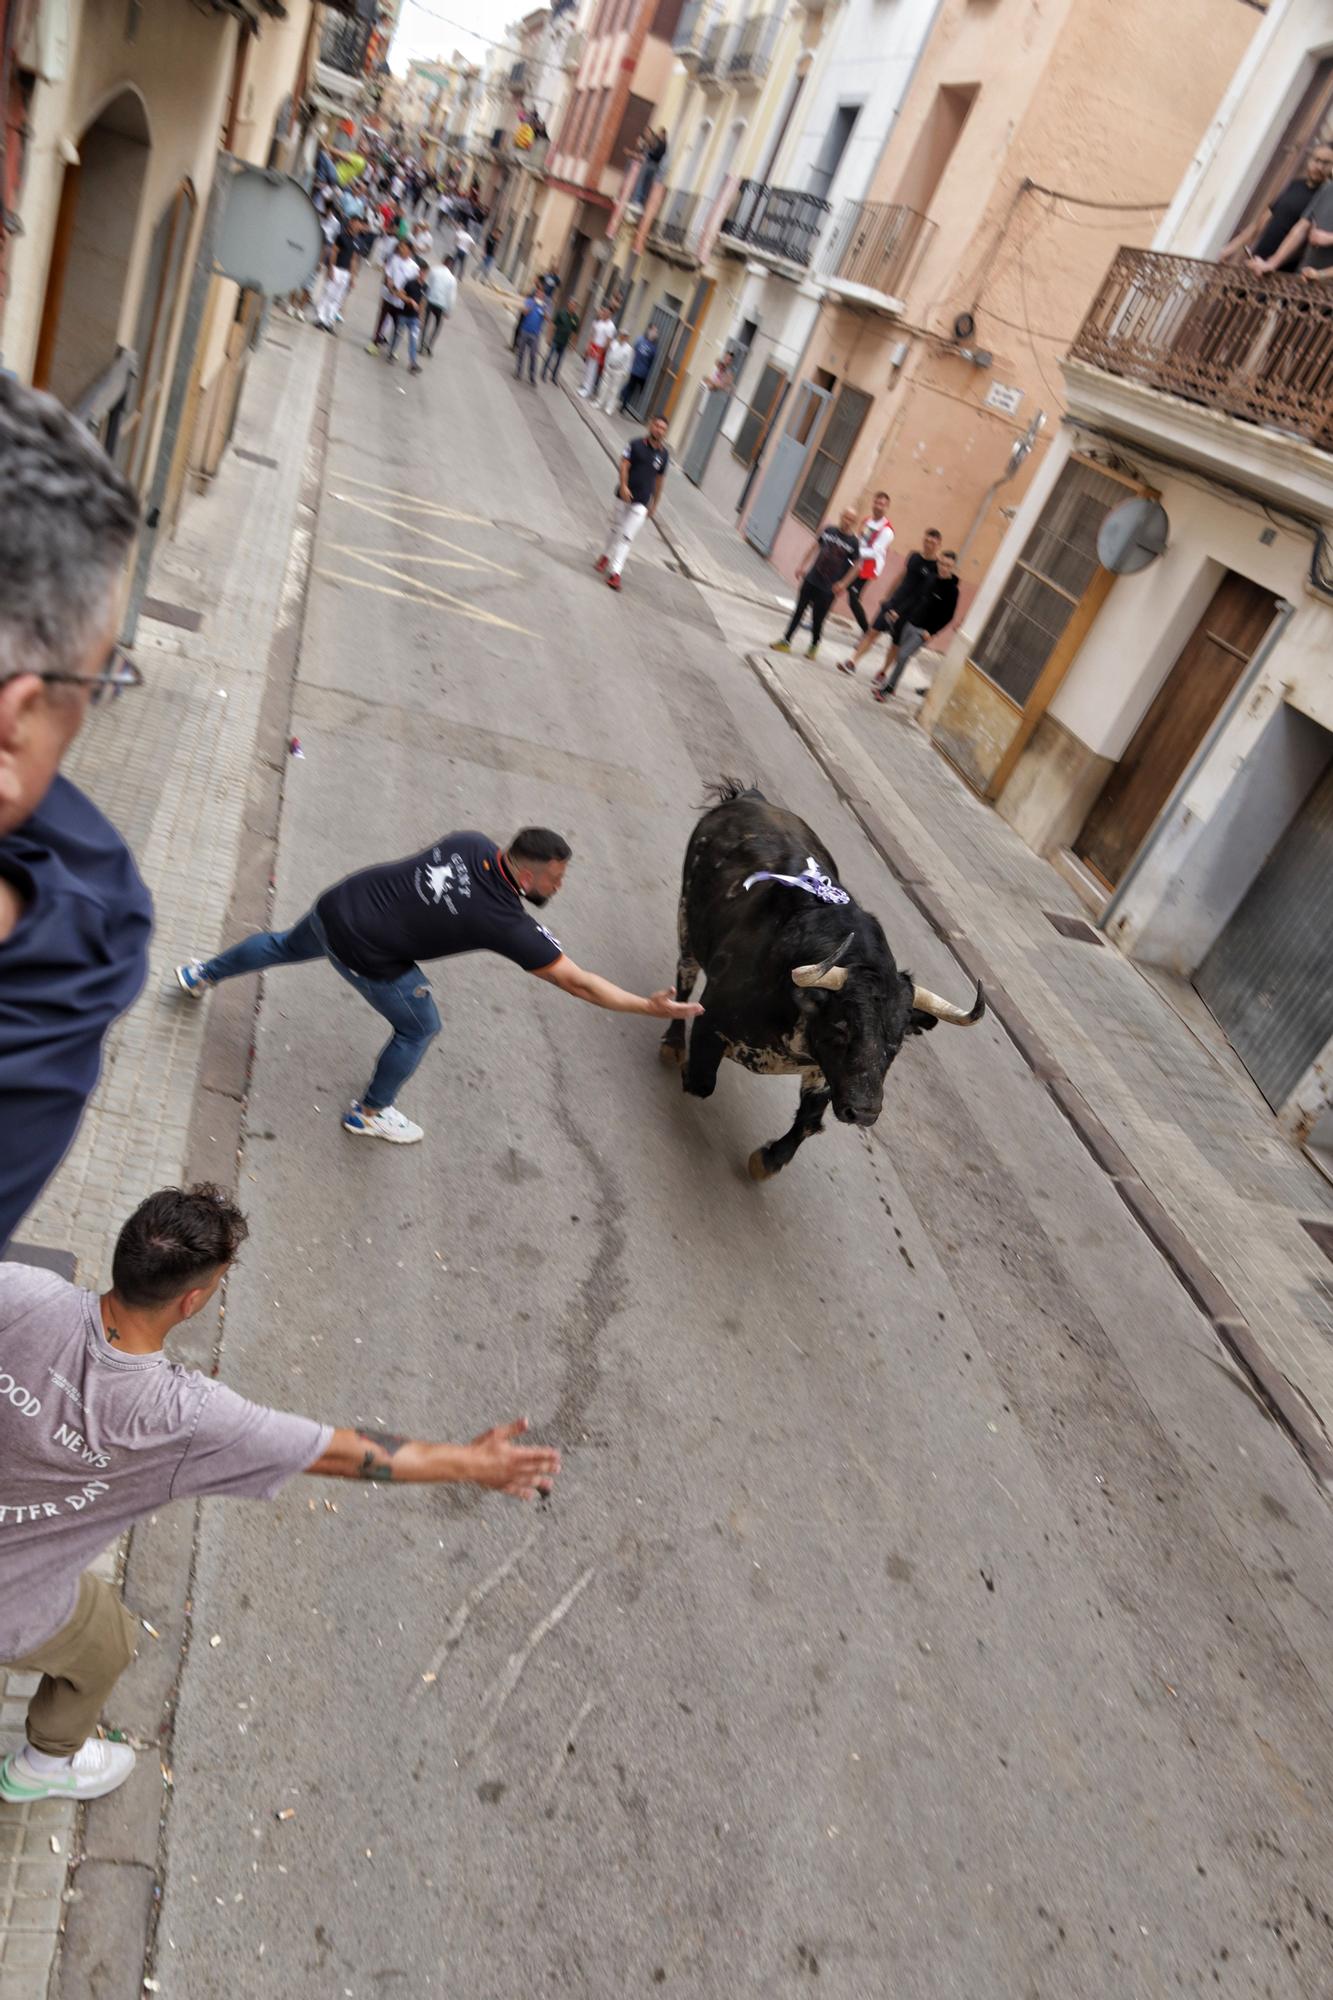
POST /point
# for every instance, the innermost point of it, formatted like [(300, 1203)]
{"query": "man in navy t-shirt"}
[(463, 893), (75, 918), (643, 471)]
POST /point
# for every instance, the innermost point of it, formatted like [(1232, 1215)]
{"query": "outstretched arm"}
[(493, 1460), (1287, 248), (599, 992)]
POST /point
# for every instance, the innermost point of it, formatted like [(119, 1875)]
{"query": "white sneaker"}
[(387, 1124), (190, 978), (95, 1770)]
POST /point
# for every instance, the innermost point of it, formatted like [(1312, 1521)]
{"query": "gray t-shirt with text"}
[(91, 1440)]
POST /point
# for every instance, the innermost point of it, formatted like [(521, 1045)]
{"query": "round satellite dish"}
[(1132, 536), (269, 236)]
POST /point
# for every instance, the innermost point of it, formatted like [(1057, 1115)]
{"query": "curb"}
[(1281, 1400), (109, 1941)]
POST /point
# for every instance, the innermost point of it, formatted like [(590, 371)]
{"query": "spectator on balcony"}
[(563, 328), (603, 333), (1309, 242), (876, 541), (641, 367), (615, 374), (1266, 236), (654, 146), (828, 567)]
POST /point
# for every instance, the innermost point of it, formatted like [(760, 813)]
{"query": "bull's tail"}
[(724, 789)]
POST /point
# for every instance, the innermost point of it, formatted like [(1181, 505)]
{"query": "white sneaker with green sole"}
[(93, 1772)]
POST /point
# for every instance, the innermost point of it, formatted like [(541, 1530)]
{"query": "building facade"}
[(1028, 132), (1165, 732)]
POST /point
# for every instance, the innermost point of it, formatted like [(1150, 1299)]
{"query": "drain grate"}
[(172, 614), (1320, 1234), (254, 457), (1073, 927)]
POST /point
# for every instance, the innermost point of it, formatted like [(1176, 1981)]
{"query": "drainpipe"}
[(1263, 653)]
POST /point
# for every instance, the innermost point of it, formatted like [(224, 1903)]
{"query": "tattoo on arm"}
[(382, 1447)]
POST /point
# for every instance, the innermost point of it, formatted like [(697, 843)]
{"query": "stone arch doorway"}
[(94, 237)]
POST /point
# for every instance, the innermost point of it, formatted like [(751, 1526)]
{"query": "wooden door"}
[(1212, 661)]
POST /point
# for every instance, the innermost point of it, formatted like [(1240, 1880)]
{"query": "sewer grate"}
[(1320, 1234), (1073, 927), (172, 614), (254, 457)]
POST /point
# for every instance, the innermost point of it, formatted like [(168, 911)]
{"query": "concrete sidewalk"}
[(188, 769), (1157, 1096)]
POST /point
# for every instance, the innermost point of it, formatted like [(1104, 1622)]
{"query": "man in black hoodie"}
[(907, 596), (935, 608)]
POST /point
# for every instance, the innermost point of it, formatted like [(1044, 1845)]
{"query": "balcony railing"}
[(344, 46), (754, 51), (697, 17), (712, 49), (783, 222), (1256, 348), (678, 219), (876, 244)]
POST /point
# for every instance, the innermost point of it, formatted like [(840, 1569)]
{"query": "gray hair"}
[(67, 519)]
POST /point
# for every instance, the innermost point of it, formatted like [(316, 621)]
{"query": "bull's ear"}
[(918, 1021)]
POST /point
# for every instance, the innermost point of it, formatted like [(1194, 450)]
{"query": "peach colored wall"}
[(1105, 99)]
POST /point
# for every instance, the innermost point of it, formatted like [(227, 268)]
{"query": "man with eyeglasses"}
[(75, 918)]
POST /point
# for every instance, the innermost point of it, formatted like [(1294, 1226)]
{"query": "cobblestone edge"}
[(1191, 1270)]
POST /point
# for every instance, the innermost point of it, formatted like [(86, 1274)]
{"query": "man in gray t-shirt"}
[(98, 1428)]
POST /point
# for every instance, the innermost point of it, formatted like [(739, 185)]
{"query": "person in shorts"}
[(907, 594), (933, 612)]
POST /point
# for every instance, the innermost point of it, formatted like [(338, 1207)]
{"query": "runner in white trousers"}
[(643, 471)]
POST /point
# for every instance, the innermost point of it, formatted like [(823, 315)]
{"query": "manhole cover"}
[(1072, 927)]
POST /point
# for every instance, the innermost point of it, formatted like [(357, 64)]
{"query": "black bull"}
[(798, 983)]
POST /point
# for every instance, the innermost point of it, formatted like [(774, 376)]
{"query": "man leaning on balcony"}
[(1310, 240), (1266, 237)]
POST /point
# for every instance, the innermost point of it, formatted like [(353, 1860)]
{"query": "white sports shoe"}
[(387, 1124), (95, 1770)]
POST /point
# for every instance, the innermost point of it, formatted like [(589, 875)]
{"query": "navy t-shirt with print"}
[(454, 896), (837, 553), (75, 960), (644, 463)]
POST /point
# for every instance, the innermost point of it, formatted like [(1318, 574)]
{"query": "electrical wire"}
[(1082, 201)]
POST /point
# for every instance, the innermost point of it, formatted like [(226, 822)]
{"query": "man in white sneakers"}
[(463, 893), (594, 354), (99, 1429), (643, 471)]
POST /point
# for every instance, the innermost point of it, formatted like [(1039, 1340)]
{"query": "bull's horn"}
[(830, 975), (927, 1002)]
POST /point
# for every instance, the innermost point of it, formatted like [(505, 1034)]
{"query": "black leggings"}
[(434, 314), (815, 597), (854, 599)]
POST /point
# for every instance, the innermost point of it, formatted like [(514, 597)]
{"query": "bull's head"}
[(855, 1024)]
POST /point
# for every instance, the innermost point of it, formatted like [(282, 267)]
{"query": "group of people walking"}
[(846, 559)]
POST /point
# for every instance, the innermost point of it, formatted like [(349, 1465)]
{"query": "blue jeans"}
[(406, 1002), (527, 344), (413, 325), (551, 366)]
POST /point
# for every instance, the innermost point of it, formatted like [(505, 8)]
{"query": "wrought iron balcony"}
[(874, 246), (1258, 348), (344, 45), (697, 17), (712, 50), (753, 53), (518, 75), (676, 227), (777, 222)]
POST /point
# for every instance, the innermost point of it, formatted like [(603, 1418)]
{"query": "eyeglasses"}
[(118, 674)]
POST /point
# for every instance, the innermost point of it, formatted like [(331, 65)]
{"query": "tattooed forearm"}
[(382, 1447)]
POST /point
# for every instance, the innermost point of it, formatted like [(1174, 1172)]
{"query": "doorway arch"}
[(96, 223)]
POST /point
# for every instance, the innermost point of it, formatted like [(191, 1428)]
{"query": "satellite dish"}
[(1132, 536), (269, 236)]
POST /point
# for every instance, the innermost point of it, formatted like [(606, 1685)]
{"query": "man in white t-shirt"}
[(397, 271), (99, 1429), (876, 541), (594, 354), (462, 244), (441, 297)]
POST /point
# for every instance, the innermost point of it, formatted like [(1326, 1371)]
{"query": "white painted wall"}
[(866, 56)]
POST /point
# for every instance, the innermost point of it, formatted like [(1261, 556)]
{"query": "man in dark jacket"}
[(907, 596), (934, 610), (75, 918), (563, 328), (645, 353)]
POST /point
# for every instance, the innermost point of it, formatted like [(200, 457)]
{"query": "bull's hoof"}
[(759, 1167), (671, 1054)]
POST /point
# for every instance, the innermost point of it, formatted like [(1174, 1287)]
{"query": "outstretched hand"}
[(667, 1008), (506, 1467)]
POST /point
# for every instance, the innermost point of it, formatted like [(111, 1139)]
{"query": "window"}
[(830, 456), (832, 150), (1047, 582), (1311, 122), (633, 125), (935, 143)]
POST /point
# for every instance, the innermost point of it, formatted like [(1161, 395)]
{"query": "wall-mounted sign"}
[(1001, 397)]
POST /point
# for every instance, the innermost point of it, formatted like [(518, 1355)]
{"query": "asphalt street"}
[(926, 1609)]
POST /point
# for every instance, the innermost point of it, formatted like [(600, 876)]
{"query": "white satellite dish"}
[(269, 236), (1132, 536)]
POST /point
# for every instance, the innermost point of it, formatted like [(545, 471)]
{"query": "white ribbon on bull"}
[(831, 975), (813, 881)]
